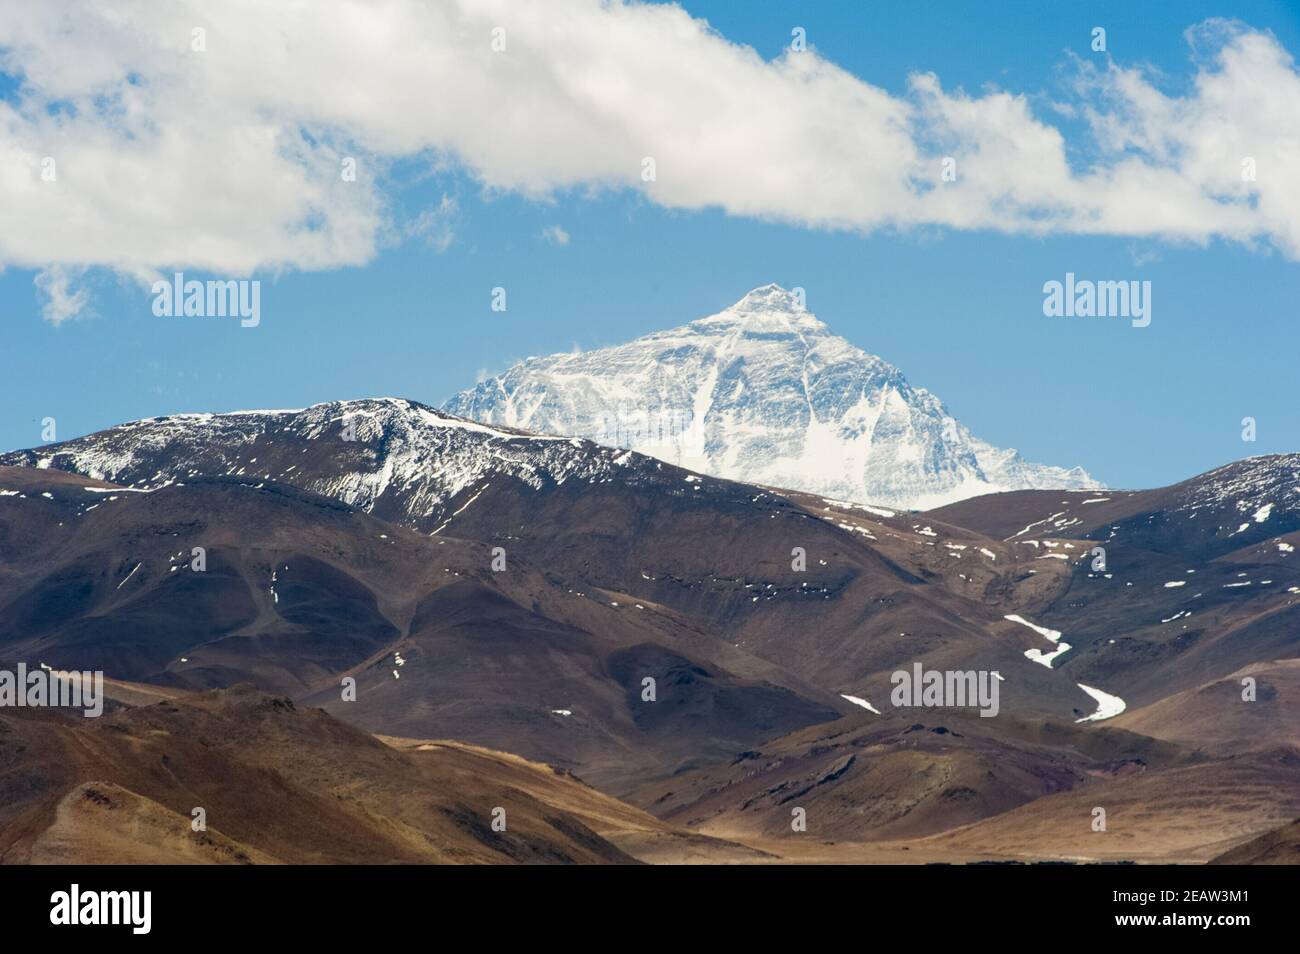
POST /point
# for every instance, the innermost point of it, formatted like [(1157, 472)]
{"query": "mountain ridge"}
[(358, 538)]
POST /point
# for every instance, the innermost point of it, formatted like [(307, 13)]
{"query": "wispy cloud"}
[(556, 235), (60, 300), (436, 226)]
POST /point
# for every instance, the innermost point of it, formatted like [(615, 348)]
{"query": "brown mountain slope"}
[(1216, 718), (623, 569), (715, 552), (880, 589), (100, 823), (635, 831), (277, 782), (1189, 813), (1200, 578), (903, 775), (300, 591), (1278, 847), (1209, 515), (876, 593)]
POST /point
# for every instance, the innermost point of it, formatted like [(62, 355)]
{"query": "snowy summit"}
[(763, 392)]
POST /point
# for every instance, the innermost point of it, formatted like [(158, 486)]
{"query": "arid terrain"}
[(390, 636)]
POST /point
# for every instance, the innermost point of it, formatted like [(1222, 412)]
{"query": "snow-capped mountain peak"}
[(768, 308), (762, 392)]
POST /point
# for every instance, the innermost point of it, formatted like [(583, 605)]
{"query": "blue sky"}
[(959, 310)]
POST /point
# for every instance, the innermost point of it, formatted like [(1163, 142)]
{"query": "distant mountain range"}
[(763, 392)]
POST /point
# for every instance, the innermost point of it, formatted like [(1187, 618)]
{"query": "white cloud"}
[(59, 299), (229, 160), (555, 234), (436, 226)]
